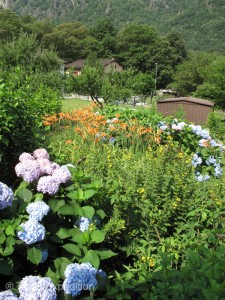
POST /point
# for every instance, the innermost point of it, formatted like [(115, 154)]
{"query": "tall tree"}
[(67, 38), (104, 31), (137, 46)]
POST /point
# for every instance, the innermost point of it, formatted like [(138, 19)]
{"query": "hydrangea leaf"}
[(34, 255), (92, 257)]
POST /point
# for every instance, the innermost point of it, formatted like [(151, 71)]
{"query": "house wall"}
[(193, 112), (113, 67)]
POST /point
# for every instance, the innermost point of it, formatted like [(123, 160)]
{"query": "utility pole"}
[(156, 73)]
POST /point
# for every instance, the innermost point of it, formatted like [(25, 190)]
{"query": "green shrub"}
[(21, 112)]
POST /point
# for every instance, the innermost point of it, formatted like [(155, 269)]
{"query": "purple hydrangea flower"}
[(48, 185), (79, 277), (6, 196), (26, 156), (37, 210), (29, 170), (41, 153), (37, 288), (7, 295), (62, 175), (32, 232)]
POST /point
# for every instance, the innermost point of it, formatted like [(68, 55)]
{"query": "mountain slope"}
[(201, 22)]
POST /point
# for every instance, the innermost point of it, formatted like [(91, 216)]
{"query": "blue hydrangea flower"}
[(37, 288), (112, 140), (202, 177), (196, 160), (211, 160), (44, 256), (6, 196), (48, 185), (37, 210), (79, 277), (83, 223), (32, 232), (162, 125), (213, 143), (218, 171), (7, 295)]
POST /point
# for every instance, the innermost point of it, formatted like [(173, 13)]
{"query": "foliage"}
[(216, 124), (161, 231), (160, 220), (190, 74), (22, 110), (201, 23), (213, 86)]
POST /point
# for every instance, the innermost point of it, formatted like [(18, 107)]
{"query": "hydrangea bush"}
[(38, 227)]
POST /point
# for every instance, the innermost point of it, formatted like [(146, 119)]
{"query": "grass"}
[(74, 103)]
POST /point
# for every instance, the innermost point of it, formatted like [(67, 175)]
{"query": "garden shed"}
[(195, 110)]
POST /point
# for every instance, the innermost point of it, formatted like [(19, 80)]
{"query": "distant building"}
[(108, 64), (195, 110)]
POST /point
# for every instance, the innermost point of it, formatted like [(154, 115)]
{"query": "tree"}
[(67, 39), (90, 81), (143, 84), (105, 33), (118, 86), (190, 74), (10, 24), (213, 86), (177, 45), (137, 46)]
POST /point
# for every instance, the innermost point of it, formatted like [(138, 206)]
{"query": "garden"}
[(111, 203)]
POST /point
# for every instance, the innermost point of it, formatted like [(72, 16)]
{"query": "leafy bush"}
[(21, 112), (44, 232)]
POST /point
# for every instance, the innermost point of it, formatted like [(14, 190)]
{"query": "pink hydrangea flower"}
[(26, 156), (62, 175), (48, 185), (29, 170), (41, 153)]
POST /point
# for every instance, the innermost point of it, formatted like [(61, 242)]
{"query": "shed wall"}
[(193, 112)]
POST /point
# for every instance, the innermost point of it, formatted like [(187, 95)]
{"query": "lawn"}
[(74, 103)]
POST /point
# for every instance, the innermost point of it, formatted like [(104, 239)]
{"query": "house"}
[(108, 64), (195, 110)]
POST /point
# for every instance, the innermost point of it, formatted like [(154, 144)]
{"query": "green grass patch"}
[(74, 103)]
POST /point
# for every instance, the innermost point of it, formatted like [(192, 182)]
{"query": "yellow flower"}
[(141, 190)]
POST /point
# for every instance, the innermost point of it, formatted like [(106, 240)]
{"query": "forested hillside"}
[(201, 22)]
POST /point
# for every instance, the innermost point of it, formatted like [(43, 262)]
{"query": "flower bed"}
[(121, 206)]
